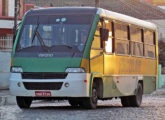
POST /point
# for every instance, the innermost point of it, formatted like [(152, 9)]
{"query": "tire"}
[(136, 100), (125, 101), (73, 102), (133, 101), (23, 102), (91, 103)]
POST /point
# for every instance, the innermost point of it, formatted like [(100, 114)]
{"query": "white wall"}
[(5, 69), (163, 7), (11, 4), (9, 24), (6, 24)]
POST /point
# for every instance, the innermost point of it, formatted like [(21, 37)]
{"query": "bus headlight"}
[(75, 70), (16, 70)]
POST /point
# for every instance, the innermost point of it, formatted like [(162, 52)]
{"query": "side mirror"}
[(104, 33)]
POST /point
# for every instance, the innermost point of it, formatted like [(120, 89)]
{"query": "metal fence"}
[(6, 43)]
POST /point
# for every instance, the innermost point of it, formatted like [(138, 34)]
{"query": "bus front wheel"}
[(125, 101), (91, 103), (23, 102), (73, 102)]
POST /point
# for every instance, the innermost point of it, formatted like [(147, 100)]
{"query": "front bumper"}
[(77, 86)]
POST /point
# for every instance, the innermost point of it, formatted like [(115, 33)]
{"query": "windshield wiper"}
[(39, 38), (35, 31), (42, 42), (68, 46), (18, 50)]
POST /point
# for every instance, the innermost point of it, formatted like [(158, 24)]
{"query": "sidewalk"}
[(6, 98), (159, 92)]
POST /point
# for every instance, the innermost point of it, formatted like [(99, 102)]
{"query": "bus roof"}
[(63, 10), (92, 10), (125, 18)]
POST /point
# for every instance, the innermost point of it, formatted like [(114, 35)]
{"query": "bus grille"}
[(27, 75), (43, 85)]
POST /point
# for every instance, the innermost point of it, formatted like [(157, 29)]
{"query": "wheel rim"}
[(94, 96)]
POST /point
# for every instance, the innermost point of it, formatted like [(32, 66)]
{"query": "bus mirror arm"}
[(104, 33), (15, 31)]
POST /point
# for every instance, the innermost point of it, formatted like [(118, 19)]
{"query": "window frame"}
[(136, 42), (116, 38), (129, 39), (154, 44)]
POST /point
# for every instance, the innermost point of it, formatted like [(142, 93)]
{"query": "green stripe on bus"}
[(90, 85), (17, 36), (90, 38)]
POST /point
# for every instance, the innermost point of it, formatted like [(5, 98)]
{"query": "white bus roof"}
[(125, 18)]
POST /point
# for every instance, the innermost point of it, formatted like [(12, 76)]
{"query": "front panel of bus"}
[(48, 53)]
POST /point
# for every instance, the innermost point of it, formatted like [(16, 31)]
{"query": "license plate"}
[(43, 93)]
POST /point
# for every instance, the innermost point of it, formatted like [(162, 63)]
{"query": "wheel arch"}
[(96, 78), (141, 82)]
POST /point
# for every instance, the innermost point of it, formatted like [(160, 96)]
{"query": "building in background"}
[(6, 36), (60, 3), (135, 8), (7, 21), (7, 16)]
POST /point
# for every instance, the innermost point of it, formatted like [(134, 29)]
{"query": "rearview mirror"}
[(104, 33)]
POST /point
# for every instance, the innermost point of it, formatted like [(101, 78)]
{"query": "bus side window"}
[(108, 45), (121, 38), (96, 41), (149, 44), (96, 44), (136, 41)]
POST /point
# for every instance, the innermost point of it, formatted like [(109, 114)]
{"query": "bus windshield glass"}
[(54, 36)]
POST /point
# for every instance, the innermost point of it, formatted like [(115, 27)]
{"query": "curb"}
[(7, 100)]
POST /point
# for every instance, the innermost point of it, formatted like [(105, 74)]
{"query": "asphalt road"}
[(153, 108)]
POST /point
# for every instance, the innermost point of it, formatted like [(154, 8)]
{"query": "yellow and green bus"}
[(83, 54)]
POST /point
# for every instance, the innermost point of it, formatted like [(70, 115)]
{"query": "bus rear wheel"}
[(133, 101), (23, 102), (136, 100)]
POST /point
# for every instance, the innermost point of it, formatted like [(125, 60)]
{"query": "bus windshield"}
[(54, 36)]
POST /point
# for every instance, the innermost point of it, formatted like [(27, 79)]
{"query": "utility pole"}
[(97, 3), (15, 20)]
